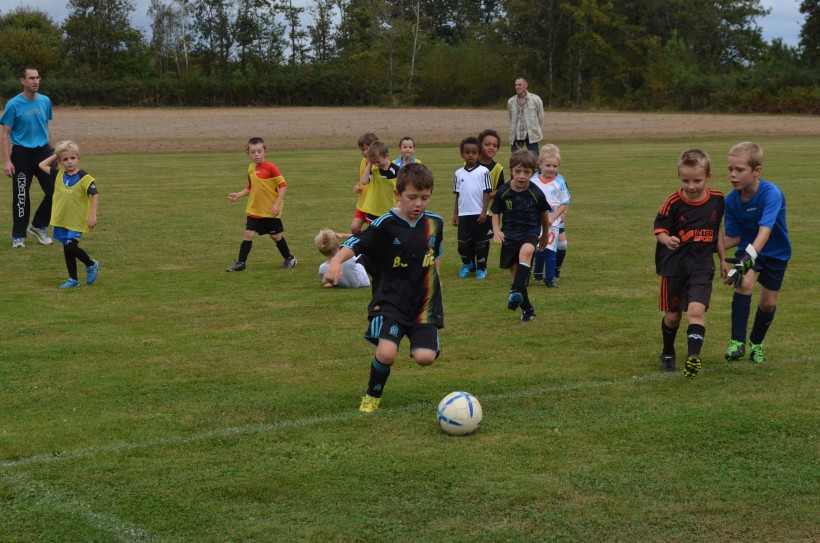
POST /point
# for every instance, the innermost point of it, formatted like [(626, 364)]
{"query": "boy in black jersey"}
[(404, 247), (526, 225), (687, 230)]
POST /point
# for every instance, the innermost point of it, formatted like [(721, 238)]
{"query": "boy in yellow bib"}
[(73, 209), (266, 188)]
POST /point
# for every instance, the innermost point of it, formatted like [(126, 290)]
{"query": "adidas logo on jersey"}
[(396, 241)]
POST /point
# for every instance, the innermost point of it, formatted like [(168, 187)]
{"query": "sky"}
[(784, 21)]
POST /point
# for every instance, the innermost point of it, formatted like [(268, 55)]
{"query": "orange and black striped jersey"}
[(697, 225)]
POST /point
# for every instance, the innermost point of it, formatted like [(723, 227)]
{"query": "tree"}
[(213, 29), (170, 34), (28, 37), (321, 31), (296, 35), (810, 33)]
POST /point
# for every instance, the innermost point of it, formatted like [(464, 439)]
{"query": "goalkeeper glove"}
[(741, 266)]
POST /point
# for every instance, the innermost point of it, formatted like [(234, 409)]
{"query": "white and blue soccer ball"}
[(459, 414)]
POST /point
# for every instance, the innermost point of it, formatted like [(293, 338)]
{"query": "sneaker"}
[(71, 283), (551, 284), (465, 271), (538, 276), (693, 365), (668, 363), (40, 234), (735, 350), (236, 266), (514, 300), (92, 272), (527, 315), (756, 354), (18, 243), (369, 404), (481, 274), (289, 263)]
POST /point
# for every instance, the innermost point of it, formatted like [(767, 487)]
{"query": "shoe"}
[(369, 404), (756, 354), (551, 284), (18, 243), (465, 271), (514, 300), (538, 276), (668, 363), (693, 365), (289, 263), (735, 350), (236, 266), (71, 283), (527, 315), (481, 274), (40, 234), (92, 272)]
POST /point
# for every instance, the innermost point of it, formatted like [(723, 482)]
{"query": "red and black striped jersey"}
[(697, 225)]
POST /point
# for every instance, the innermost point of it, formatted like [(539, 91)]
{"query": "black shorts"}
[(510, 251), (469, 229), (422, 336), (770, 271), (678, 291), (264, 225)]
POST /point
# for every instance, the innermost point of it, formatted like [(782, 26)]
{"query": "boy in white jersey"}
[(354, 275), (472, 188), (554, 188), (73, 209)]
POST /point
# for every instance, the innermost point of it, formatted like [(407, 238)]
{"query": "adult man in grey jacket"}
[(526, 113)]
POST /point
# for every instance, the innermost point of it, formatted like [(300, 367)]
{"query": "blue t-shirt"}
[(28, 120), (766, 208)]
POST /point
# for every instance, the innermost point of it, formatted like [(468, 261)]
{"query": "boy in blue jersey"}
[(755, 223), (526, 225), (404, 247), (407, 152)]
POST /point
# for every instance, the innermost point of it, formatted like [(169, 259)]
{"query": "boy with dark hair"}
[(407, 152), (267, 189), (526, 225), (379, 176), (756, 225), (404, 246), (687, 230), (472, 188), (359, 216)]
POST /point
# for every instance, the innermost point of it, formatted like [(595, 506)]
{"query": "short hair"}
[(24, 69), (752, 151), (377, 149), (407, 138), (524, 158), (522, 78), (367, 138), (327, 242), (469, 141), (549, 150), (66, 145), (693, 158), (256, 141), (415, 175), (488, 132)]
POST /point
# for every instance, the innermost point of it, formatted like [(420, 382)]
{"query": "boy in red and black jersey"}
[(687, 230)]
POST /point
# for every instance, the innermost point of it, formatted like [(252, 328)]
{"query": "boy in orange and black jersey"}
[(687, 229)]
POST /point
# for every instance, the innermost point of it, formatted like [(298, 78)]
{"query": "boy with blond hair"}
[(554, 187), (354, 276), (379, 176)]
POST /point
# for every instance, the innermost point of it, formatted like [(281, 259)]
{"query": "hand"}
[(233, 197), (498, 236), (332, 275), (673, 243), (482, 218), (357, 189), (276, 209), (8, 169), (455, 220), (741, 266)]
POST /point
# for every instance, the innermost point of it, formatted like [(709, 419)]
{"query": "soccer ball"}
[(459, 414)]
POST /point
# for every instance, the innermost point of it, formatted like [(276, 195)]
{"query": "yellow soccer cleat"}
[(369, 404)]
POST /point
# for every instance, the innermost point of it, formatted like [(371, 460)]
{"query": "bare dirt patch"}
[(217, 129)]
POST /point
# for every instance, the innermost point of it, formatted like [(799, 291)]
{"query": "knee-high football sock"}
[(245, 250), (561, 254), (378, 378), (282, 245), (549, 265), (482, 249), (538, 262), (669, 335), (694, 338), (761, 325), (741, 307), (522, 276), (466, 250), (70, 260)]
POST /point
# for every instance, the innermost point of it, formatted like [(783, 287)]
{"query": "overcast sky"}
[(784, 21)]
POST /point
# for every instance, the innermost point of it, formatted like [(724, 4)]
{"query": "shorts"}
[(361, 215), (469, 229), (369, 217), (509, 252), (264, 225), (63, 235), (770, 271), (422, 336), (678, 291)]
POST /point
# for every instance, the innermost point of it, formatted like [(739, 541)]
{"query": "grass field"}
[(174, 402)]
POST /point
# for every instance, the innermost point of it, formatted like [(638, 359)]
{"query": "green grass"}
[(174, 402)]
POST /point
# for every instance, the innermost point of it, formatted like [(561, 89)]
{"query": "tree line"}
[(629, 54)]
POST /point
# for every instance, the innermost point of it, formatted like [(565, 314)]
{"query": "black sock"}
[(761, 325), (669, 335), (70, 261), (378, 378), (741, 307), (522, 276), (694, 338), (482, 249), (245, 250), (282, 245)]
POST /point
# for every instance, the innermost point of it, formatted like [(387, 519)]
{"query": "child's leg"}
[(669, 330), (282, 245), (741, 307), (549, 265), (522, 269), (245, 247), (380, 367), (466, 251), (696, 315), (561, 253), (482, 251), (70, 260), (538, 265), (764, 316), (356, 225)]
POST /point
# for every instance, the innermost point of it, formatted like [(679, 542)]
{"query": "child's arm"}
[(485, 203), (498, 235), (670, 242), (455, 212), (558, 212), (234, 196), (721, 250), (46, 164), (543, 239), (365, 178), (277, 207), (92, 218), (334, 270), (745, 262)]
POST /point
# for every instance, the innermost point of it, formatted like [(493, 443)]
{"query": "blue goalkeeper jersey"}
[(766, 208)]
